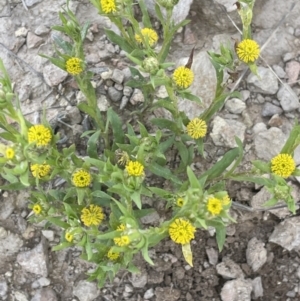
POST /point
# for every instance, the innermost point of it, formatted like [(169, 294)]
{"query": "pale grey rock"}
[(288, 98), (237, 290), (3, 288), (235, 106), (259, 127), (268, 143), (287, 234), (266, 83), (7, 207), (117, 76), (288, 56), (269, 110), (275, 121), (86, 291), (102, 103), (257, 288), (228, 269), (54, 75), (20, 296), (42, 30), (124, 102), (256, 254), (292, 71), (212, 255), (136, 97), (10, 243), (127, 91), (149, 294), (139, 280), (203, 86), (106, 74), (279, 71), (21, 32), (152, 218), (180, 10), (230, 5), (36, 260), (45, 294), (49, 234), (225, 130), (73, 115), (165, 293), (114, 94), (245, 94), (44, 281), (33, 41), (30, 3)]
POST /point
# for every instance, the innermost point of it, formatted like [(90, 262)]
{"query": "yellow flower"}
[(226, 200), (9, 153), (135, 169), (69, 237), (283, 165), (121, 227), (112, 255), (93, 215), (149, 35), (73, 66), (214, 206), (180, 202), (248, 51), (183, 77), (39, 134), (181, 231), (122, 241), (81, 178), (108, 6), (196, 128), (37, 209), (40, 170)]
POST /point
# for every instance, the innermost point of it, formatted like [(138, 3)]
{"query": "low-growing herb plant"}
[(101, 202)]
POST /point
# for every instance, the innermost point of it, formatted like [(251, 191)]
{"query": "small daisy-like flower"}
[(122, 241), (37, 209), (148, 34), (196, 128), (69, 237), (183, 77), (39, 134), (283, 165), (214, 206), (248, 51), (81, 178), (92, 215), (181, 231), (108, 6), (40, 170), (112, 255), (9, 153), (135, 169), (121, 227), (73, 66), (226, 200), (180, 202)]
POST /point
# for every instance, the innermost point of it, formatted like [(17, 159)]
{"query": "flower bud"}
[(281, 192), (168, 3), (151, 65)]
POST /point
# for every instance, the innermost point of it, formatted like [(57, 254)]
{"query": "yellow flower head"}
[(73, 66), (248, 51), (121, 227), (148, 34), (196, 128), (214, 206), (39, 134), (180, 202), (37, 209), (181, 231), (135, 169), (183, 77), (122, 241), (81, 178), (40, 170), (9, 153), (112, 255), (108, 6), (93, 215), (69, 237), (283, 165), (226, 200)]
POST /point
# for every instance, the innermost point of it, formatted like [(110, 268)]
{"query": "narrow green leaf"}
[(62, 246), (220, 237), (163, 172), (58, 222), (92, 145), (187, 253), (166, 124), (116, 124), (194, 182), (116, 39), (84, 107)]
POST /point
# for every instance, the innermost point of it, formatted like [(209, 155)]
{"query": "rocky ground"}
[(261, 259)]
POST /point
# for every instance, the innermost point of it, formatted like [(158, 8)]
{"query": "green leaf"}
[(190, 96), (8, 137), (80, 195), (145, 18), (270, 202), (136, 197), (165, 145), (92, 145), (260, 181), (166, 104), (62, 246), (142, 212), (163, 172), (116, 124), (58, 222), (193, 179), (84, 107), (293, 141), (94, 162), (88, 249), (100, 194), (166, 124), (187, 253), (263, 166), (13, 186), (84, 30), (107, 235), (116, 39), (24, 179), (146, 254), (220, 236)]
